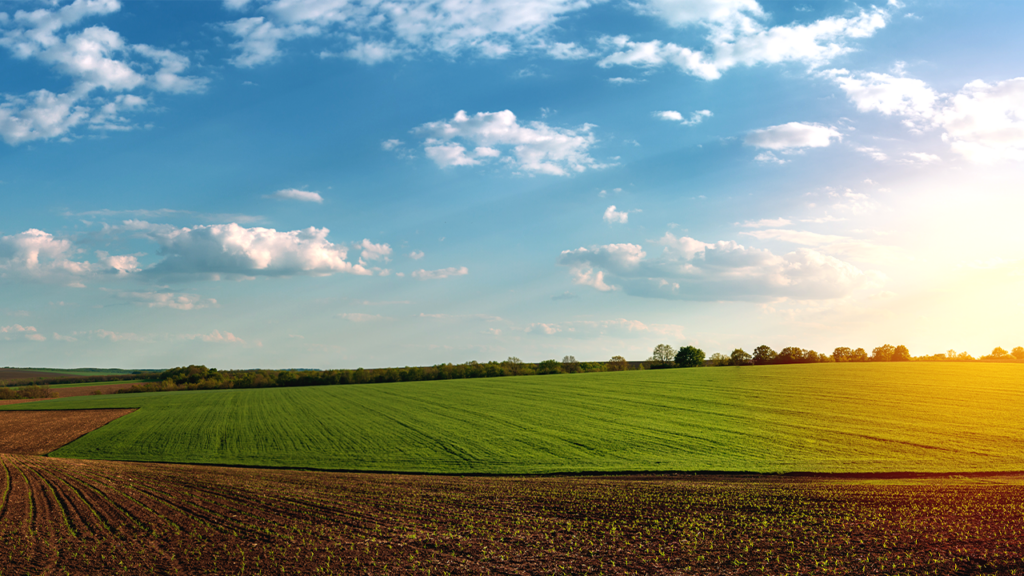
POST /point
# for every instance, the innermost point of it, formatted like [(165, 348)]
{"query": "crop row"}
[(82, 517)]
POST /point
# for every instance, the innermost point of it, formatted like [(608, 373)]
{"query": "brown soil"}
[(90, 517), (43, 431)]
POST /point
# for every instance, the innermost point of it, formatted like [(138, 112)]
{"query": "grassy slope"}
[(825, 418)]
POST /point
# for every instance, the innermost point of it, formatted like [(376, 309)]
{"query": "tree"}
[(951, 354), (1018, 353), (719, 359), (763, 355), (690, 357), (549, 367), (617, 364), (790, 355), (882, 353), (859, 355), (964, 356), (570, 365), (513, 366), (900, 354), (663, 355), (998, 352), (739, 357), (842, 354), (812, 357)]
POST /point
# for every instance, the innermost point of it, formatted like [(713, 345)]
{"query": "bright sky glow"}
[(310, 183)]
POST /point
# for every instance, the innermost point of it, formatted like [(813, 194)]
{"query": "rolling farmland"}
[(815, 418)]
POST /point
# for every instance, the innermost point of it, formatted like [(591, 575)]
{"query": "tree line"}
[(48, 380), (664, 356)]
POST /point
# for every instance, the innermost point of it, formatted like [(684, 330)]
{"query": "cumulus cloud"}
[(39, 255), (439, 274), (300, 195), (689, 269), (26, 332), (982, 122), (416, 254), (735, 36), (234, 250), (533, 148), (621, 327), (674, 116), (168, 300), (874, 153), (614, 215), (792, 135), (375, 32), (371, 251), (96, 59)]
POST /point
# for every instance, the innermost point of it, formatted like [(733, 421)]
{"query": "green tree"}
[(900, 354), (859, 355), (663, 355), (513, 366), (842, 354), (617, 364), (1018, 353), (882, 353), (549, 367), (763, 355), (790, 355), (690, 357), (719, 359), (739, 357)]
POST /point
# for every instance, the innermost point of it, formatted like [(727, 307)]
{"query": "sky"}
[(346, 183)]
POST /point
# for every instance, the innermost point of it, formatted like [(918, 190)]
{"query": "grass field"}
[(823, 418)]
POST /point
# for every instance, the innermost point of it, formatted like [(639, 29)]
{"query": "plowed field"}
[(83, 517), (44, 431)]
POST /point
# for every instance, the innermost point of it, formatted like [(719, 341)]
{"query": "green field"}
[(922, 417)]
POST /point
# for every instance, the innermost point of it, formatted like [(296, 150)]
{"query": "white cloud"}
[(231, 249), (766, 223), (120, 336), (674, 116), (792, 135), (613, 215), (985, 122), (982, 122), (548, 329), (416, 254), (378, 31), (371, 251), (736, 36), (94, 58), (26, 332), (300, 195), (168, 300), (689, 269), (619, 80), (923, 157), (391, 144), (890, 95), (567, 51), (534, 148), (796, 237), (442, 273), (874, 153), (37, 254), (769, 158)]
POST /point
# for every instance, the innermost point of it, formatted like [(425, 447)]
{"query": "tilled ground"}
[(88, 517), (43, 431)]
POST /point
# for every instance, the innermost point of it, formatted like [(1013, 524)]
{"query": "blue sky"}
[(334, 183)]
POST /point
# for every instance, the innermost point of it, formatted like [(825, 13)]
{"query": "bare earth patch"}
[(41, 432), (87, 390)]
